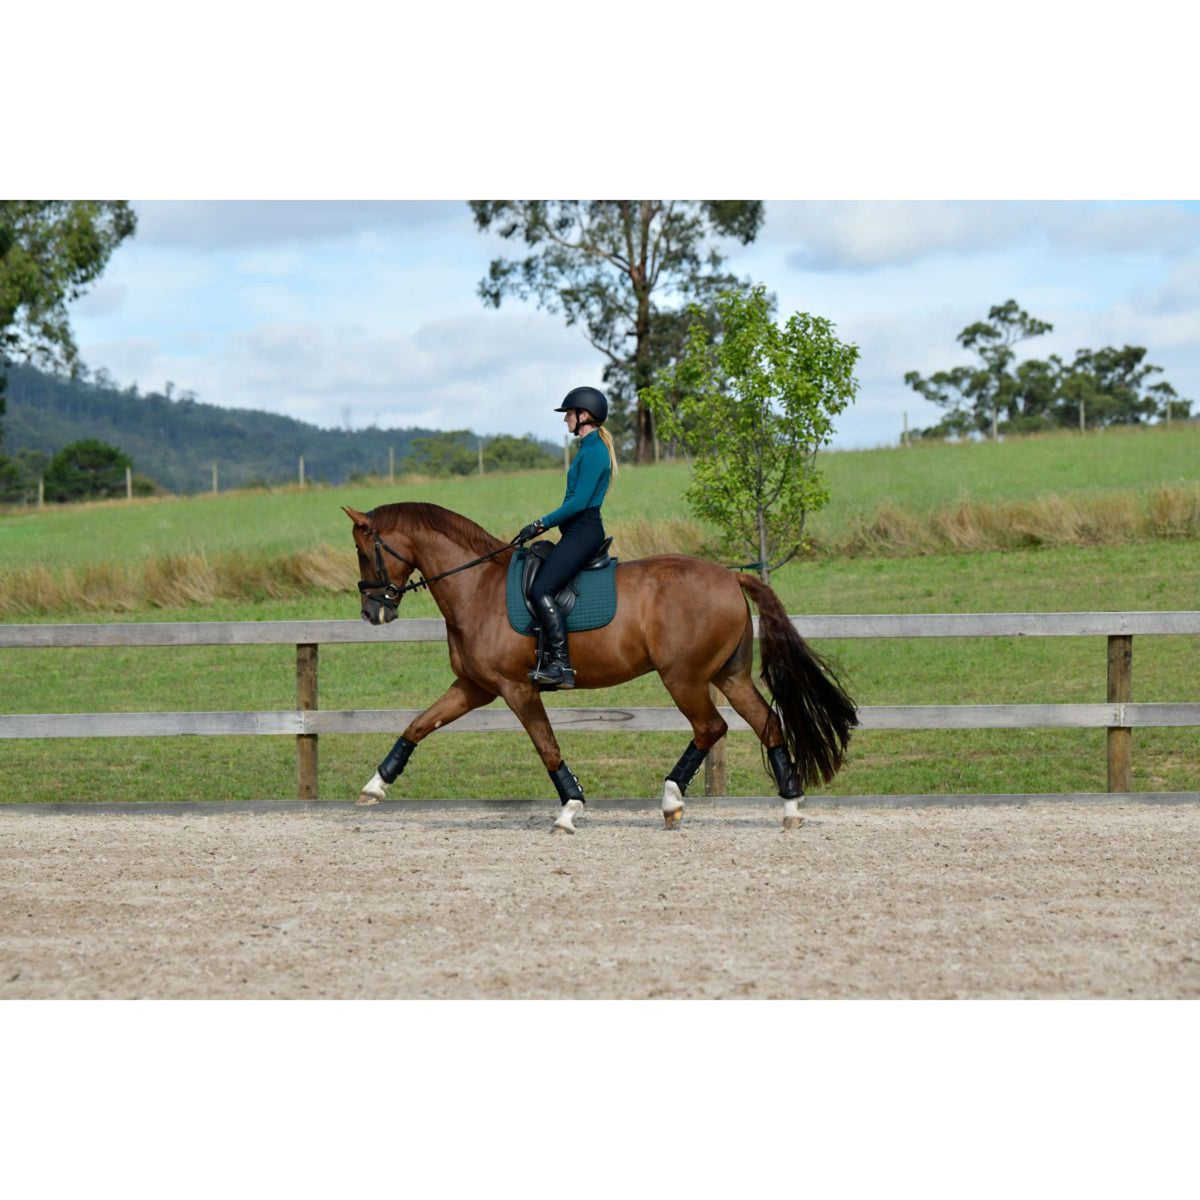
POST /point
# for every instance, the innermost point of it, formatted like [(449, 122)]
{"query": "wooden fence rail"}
[(1119, 715)]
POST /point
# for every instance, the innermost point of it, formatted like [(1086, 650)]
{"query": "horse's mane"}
[(436, 519)]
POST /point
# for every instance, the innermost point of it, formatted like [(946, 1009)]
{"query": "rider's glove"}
[(530, 530)]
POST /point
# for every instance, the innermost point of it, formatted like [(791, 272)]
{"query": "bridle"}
[(391, 595)]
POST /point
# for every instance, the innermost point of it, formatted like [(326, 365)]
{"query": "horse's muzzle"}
[(377, 613)]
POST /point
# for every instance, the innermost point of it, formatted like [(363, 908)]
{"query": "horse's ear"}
[(360, 519)]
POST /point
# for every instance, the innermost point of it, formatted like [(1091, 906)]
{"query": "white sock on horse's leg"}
[(373, 791), (672, 800), (792, 813), (566, 817)]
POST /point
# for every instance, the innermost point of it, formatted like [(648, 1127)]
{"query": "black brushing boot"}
[(556, 672), (785, 773), (391, 767), (570, 795), (790, 790)]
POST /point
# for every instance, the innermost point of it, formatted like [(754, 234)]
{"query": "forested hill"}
[(176, 441)]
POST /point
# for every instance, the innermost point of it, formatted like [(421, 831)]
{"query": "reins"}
[(392, 594)]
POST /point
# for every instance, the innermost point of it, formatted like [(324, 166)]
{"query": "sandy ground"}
[(1043, 901)]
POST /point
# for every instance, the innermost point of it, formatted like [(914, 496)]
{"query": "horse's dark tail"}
[(813, 707)]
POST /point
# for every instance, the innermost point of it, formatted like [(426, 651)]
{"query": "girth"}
[(565, 598)]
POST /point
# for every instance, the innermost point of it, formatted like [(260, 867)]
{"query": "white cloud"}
[(222, 224), (862, 235), (1179, 293), (103, 300), (492, 372)]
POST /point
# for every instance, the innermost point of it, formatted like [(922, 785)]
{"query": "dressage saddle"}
[(566, 596)]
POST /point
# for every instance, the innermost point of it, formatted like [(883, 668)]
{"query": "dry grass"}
[(1106, 519), (641, 538), (1111, 518), (172, 580)]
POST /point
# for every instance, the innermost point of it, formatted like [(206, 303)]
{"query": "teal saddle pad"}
[(596, 605)]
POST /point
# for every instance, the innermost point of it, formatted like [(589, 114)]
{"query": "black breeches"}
[(581, 539)]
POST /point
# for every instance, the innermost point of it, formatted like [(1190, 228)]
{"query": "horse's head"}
[(384, 569)]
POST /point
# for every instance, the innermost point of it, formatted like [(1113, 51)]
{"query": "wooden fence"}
[(1119, 715)]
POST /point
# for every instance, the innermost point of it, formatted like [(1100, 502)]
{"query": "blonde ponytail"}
[(606, 438)]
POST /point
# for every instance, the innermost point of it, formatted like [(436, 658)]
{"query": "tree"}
[(507, 453), (87, 470), (1170, 406), (450, 453), (981, 392), (50, 251), (757, 404), (1104, 387), (606, 264)]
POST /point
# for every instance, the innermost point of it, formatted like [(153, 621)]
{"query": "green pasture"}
[(1163, 576), (918, 478)]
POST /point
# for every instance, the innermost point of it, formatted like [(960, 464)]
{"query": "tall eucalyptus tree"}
[(623, 269)]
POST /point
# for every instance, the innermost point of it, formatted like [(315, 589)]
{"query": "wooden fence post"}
[(306, 701), (716, 772), (1120, 691)]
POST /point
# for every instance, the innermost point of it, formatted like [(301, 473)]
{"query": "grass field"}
[(919, 479), (1158, 575)]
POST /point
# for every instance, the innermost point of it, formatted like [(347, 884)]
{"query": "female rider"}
[(578, 516)]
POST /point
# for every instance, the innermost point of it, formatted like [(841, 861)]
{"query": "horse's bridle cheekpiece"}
[(391, 595)]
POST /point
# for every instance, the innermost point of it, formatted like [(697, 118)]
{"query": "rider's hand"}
[(530, 530)]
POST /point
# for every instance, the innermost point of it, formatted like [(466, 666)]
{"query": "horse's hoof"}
[(792, 822), (673, 819), (561, 826), (368, 798)]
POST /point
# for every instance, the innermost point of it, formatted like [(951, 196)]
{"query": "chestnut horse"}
[(683, 617)]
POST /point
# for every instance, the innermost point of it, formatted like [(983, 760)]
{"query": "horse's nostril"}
[(364, 616)]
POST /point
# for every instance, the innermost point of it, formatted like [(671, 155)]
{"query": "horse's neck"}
[(436, 552)]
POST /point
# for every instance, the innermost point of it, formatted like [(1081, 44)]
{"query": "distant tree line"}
[(995, 394), (174, 439)]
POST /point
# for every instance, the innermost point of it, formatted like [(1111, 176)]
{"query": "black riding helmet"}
[(591, 400)]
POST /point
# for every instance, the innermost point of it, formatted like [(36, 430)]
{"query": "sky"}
[(358, 313)]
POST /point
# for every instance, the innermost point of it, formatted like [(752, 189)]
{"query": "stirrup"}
[(554, 674)]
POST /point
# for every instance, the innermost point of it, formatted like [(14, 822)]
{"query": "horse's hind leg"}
[(708, 727), (749, 704), (461, 697)]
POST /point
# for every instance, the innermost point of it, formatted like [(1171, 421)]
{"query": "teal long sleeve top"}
[(587, 481)]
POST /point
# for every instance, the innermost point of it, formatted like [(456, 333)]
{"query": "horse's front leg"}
[(526, 702), (461, 697)]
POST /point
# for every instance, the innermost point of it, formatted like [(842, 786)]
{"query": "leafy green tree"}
[(19, 475), (608, 265), (506, 453), (50, 251), (1170, 406), (982, 391), (757, 404), (11, 483), (451, 453), (85, 471), (1108, 387)]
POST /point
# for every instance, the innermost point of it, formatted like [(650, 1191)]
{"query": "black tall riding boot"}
[(555, 669)]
